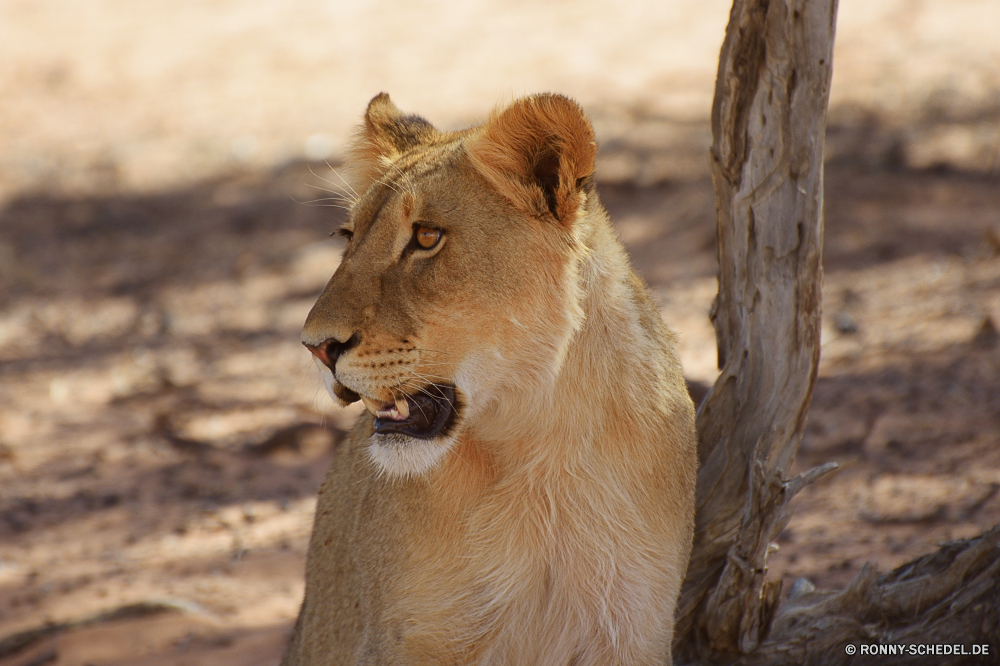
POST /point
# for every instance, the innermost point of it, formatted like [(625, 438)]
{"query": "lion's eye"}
[(426, 237)]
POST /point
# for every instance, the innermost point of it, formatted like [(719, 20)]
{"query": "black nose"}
[(330, 350)]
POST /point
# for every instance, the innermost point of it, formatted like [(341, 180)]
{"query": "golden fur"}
[(550, 522)]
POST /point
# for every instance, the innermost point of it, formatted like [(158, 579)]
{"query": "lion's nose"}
[(331, 349)]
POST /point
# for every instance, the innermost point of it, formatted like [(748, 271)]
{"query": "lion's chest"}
[(537, 574)]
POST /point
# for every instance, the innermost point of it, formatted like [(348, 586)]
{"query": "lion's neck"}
[(569, 508), (602, 397)]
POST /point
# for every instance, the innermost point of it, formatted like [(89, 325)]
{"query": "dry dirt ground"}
[(162, 432)]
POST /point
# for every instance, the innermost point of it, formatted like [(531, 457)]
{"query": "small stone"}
[(993, 238), (844, 323), (987, 336), (801, 586)]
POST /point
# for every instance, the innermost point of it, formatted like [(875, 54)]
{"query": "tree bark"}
[(947, 598), (768, 126)]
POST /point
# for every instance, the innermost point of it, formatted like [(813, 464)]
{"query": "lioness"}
[(522, 489)]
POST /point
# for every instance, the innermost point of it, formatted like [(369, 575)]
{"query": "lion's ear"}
[(385, 134), (538, 152)]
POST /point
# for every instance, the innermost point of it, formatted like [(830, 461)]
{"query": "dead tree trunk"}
[(768, 126)]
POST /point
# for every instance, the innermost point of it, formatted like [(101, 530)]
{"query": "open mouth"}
[(425, 415)]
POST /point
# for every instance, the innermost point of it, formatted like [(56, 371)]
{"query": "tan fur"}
[(553, 524)]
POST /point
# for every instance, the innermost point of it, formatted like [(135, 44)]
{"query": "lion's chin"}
[(402, 456), (414, 432)]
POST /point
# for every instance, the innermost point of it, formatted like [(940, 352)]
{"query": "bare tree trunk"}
[(768, 126)]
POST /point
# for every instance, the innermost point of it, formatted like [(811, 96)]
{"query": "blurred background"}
[(163, 433)]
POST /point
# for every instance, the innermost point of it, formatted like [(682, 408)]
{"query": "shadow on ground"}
[(160, 436)]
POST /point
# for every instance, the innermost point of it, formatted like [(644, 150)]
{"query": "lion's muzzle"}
[(331, 349), (425, 415), (328, 352)]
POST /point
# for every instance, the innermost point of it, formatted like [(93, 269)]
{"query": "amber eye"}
[(426, 237)]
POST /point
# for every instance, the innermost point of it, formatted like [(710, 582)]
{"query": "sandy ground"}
[(162, 432)]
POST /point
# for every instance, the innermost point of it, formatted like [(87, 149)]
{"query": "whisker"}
[(395, 186), (433, 351), (408, 184), (429, 394), (343, 196), (391, 186), (319, 203), (418, 388), (314, 202), (422, 412), (353, 191), (425, 375), (352, 199), (459, 455), (428, 377), (433, 396), (322, 199), (376, 473)]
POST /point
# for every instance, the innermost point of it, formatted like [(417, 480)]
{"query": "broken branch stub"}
[(947, 598)]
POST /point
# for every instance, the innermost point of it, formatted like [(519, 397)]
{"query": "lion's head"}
[(458, 292)]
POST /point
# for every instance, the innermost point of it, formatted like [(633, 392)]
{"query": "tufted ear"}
[(384, 136), (538, 152)]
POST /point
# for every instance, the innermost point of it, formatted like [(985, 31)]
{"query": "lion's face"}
[(453, 296)]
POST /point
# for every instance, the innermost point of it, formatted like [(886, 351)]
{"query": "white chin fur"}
[(397, 455), (327, 376), (402, 457)]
